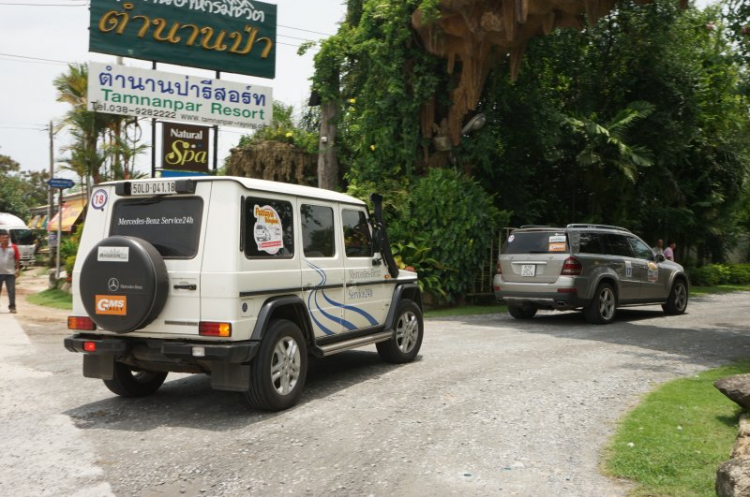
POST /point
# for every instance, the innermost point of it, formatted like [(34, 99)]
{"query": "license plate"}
[(153, 188), (528, 270)]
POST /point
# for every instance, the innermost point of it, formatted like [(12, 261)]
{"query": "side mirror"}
[(660, 258), (377, 260)]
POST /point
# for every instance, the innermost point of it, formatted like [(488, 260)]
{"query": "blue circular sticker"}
[(99, 199)]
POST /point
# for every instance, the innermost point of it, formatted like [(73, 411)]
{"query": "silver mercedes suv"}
[(596, 268)]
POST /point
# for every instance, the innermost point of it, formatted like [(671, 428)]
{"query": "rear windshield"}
[(171, 225), (536, 242), (22, 237)]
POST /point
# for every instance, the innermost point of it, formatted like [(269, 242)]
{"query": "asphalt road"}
[(492, 406)]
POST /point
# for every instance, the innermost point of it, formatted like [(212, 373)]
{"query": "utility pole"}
[(50, 195)]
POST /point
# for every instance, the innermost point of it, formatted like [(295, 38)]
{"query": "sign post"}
[(61, 184)]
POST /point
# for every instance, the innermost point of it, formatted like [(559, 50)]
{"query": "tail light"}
[(81, 323), (212, 329), (571, 267), (499, 267)]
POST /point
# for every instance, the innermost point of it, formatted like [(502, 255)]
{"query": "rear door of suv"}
[(534, 256), (621, 260)]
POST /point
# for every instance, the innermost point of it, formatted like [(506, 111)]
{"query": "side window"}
[(640, 249), (590, 243), (269, 230), (318, 237), (357, 239), (619, 245)]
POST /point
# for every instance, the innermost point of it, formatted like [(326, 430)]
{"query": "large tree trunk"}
[(328, 166)]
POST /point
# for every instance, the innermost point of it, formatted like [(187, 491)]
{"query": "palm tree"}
[(607, 160)]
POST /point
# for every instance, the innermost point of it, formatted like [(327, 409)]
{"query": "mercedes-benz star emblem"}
[(113, 284)]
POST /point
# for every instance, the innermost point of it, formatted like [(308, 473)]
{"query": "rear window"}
[(22, 237), (536, 242), (171, 225)]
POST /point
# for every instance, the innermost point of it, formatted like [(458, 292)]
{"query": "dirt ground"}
[(491, 406)]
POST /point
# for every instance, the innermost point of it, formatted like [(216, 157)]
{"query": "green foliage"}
[(20, 190), (415, 255), (69, 249), (720, 274), (693, 126), (283, 129), (380, 75), (458, 216)]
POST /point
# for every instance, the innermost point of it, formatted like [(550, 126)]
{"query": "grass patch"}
[(52, 298), (697, 291), (680, 434), (466, 310)]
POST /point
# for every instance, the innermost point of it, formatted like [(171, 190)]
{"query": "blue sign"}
[(61, 183)]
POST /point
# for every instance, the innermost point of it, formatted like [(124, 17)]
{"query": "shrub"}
[(720, 274), (458, 218)]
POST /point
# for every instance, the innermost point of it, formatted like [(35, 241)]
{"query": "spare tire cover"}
[(124, 283)]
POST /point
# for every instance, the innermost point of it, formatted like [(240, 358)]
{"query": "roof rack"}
[(598, 226)]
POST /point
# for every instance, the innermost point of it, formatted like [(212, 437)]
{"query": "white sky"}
[(33, 28), (37, 28)]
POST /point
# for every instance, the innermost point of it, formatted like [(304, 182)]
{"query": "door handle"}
[(187, 286)]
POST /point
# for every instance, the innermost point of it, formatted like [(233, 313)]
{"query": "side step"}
[(354, 343)]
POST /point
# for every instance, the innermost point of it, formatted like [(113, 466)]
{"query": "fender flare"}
[(410, 291), (294, 305)]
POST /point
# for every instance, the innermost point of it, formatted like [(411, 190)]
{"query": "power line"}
[(305, 30), (21, 128), (32, 58), (85, 4)]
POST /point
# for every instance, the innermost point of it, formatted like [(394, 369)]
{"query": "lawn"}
[(674, 441), (52, 298), (697, 291)]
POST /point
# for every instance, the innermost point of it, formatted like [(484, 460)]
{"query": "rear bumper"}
[(155, 350), (563, 294)]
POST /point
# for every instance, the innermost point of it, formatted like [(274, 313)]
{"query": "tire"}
[(279, 371), (124, 283), (129, 383), (409, 331), (522, 312), (678, 298), (603, 306)]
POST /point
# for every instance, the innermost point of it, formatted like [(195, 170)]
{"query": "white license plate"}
[(153, 188), (528, 270)]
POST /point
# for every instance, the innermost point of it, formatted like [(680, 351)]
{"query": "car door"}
[(621, 261), (322, 268), (647, 269), (366, 280)]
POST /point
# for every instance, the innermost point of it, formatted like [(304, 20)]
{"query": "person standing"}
[(10, 268), (659, 249), (669, 251)]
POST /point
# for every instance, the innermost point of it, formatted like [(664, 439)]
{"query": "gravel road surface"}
[(492, 406)]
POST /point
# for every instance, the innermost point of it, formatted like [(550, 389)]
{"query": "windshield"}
[(171, 225), (536, 242), (22, 237)]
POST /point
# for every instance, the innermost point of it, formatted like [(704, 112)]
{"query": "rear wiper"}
[(538, 251)]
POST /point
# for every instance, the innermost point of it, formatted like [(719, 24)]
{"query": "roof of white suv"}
[(267, 186)]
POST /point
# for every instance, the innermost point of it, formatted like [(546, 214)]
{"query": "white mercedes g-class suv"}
[(237, 278)]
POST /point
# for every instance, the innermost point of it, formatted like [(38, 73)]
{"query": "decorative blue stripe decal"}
[(346, 324)]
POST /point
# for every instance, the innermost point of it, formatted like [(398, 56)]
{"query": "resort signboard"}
[(131, 91), (236, 36)]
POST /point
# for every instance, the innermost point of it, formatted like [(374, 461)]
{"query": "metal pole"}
[(216, 136), (50, 195), (153, 137), (59, 232)]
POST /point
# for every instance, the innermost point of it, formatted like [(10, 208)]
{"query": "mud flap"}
[(232, 377), (100, 366)]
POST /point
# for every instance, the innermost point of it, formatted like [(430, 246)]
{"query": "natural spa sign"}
[(130, 91), (236, 36)]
